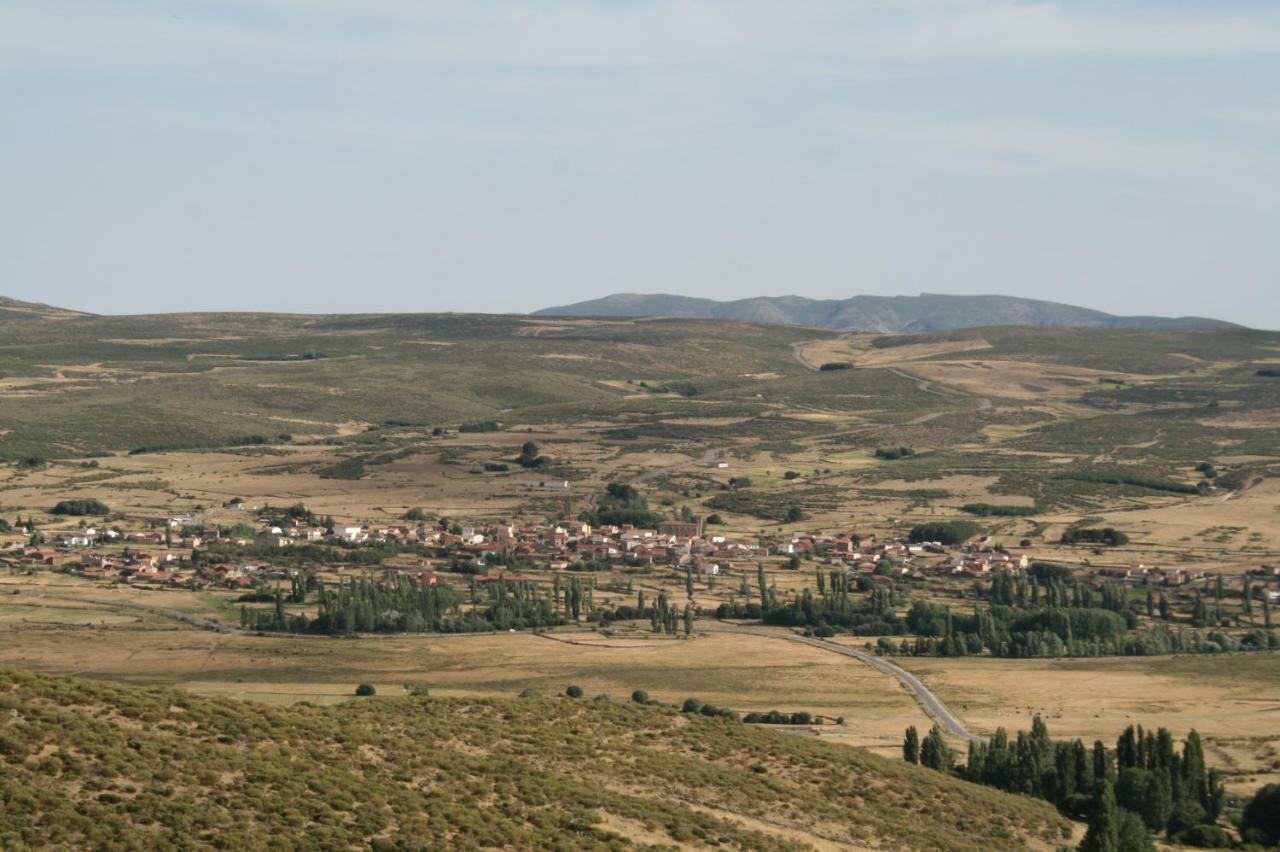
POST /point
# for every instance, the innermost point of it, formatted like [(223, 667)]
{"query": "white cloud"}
[(292, 36), (985, 30), (1021, 147)]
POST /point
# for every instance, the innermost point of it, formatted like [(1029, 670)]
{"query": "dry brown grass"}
[(1232, 701)]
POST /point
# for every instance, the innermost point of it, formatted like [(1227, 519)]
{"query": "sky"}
[(483, 155)]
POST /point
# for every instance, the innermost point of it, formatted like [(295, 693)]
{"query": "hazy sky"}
[(480, 155)]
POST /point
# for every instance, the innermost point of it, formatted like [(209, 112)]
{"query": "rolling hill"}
[(89, 765), (15, 309), (926, 312)]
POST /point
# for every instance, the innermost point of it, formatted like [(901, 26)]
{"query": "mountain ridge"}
[(925, 312)]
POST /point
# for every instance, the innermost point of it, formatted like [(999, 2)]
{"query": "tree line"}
[(1143, 785)]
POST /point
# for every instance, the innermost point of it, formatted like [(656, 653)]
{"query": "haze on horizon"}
[(386, 155)]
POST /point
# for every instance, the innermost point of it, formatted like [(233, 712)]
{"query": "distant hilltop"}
[(12, 308), (926, 312)]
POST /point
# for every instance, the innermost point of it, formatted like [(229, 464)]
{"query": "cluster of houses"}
[(1148, 575), (160, 552)]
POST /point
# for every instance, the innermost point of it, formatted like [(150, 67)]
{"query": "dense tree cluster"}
[(944, 532), (1041, 614), (892, 453), (530, 457), (836, 605), (1260, 820), (1137, 481), (1145, 785), (81, 507), (481, 426), (998, 510), (398, 604), (622, 504), (1096, 535)]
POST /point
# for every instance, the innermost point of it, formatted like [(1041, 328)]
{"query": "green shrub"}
[(81, 507)]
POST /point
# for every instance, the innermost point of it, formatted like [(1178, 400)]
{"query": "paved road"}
[(931, 703)]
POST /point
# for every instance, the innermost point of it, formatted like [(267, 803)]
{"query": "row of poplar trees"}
[(1145, 785)]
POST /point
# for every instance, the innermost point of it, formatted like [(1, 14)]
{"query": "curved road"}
[(931, 703)]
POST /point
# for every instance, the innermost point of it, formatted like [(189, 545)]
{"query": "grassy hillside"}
[(88, 384), (88, 764), (72, 385)]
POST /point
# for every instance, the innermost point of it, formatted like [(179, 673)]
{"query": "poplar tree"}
[(911, 746), (1104, 830)]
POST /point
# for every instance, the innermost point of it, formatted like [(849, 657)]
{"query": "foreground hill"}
[(91, 765), (926, 312)]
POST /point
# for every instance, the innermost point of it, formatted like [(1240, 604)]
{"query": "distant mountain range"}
[(926, 312)]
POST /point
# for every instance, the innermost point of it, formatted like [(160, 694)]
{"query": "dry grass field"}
[(89, 637), (1233, 702)]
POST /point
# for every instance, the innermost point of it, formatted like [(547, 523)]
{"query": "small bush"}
[(574, 691), (640, 697), (365, 689)]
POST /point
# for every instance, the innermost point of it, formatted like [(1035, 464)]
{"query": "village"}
[(185, 551)]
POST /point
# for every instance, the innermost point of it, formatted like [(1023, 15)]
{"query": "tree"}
[(640, 697), (1260, 821), (1132, 835), (688, 619), (529, 456), (1104, 823), (934, 751), (911, 746), (366, 689), (794, 514), (574, 691)]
